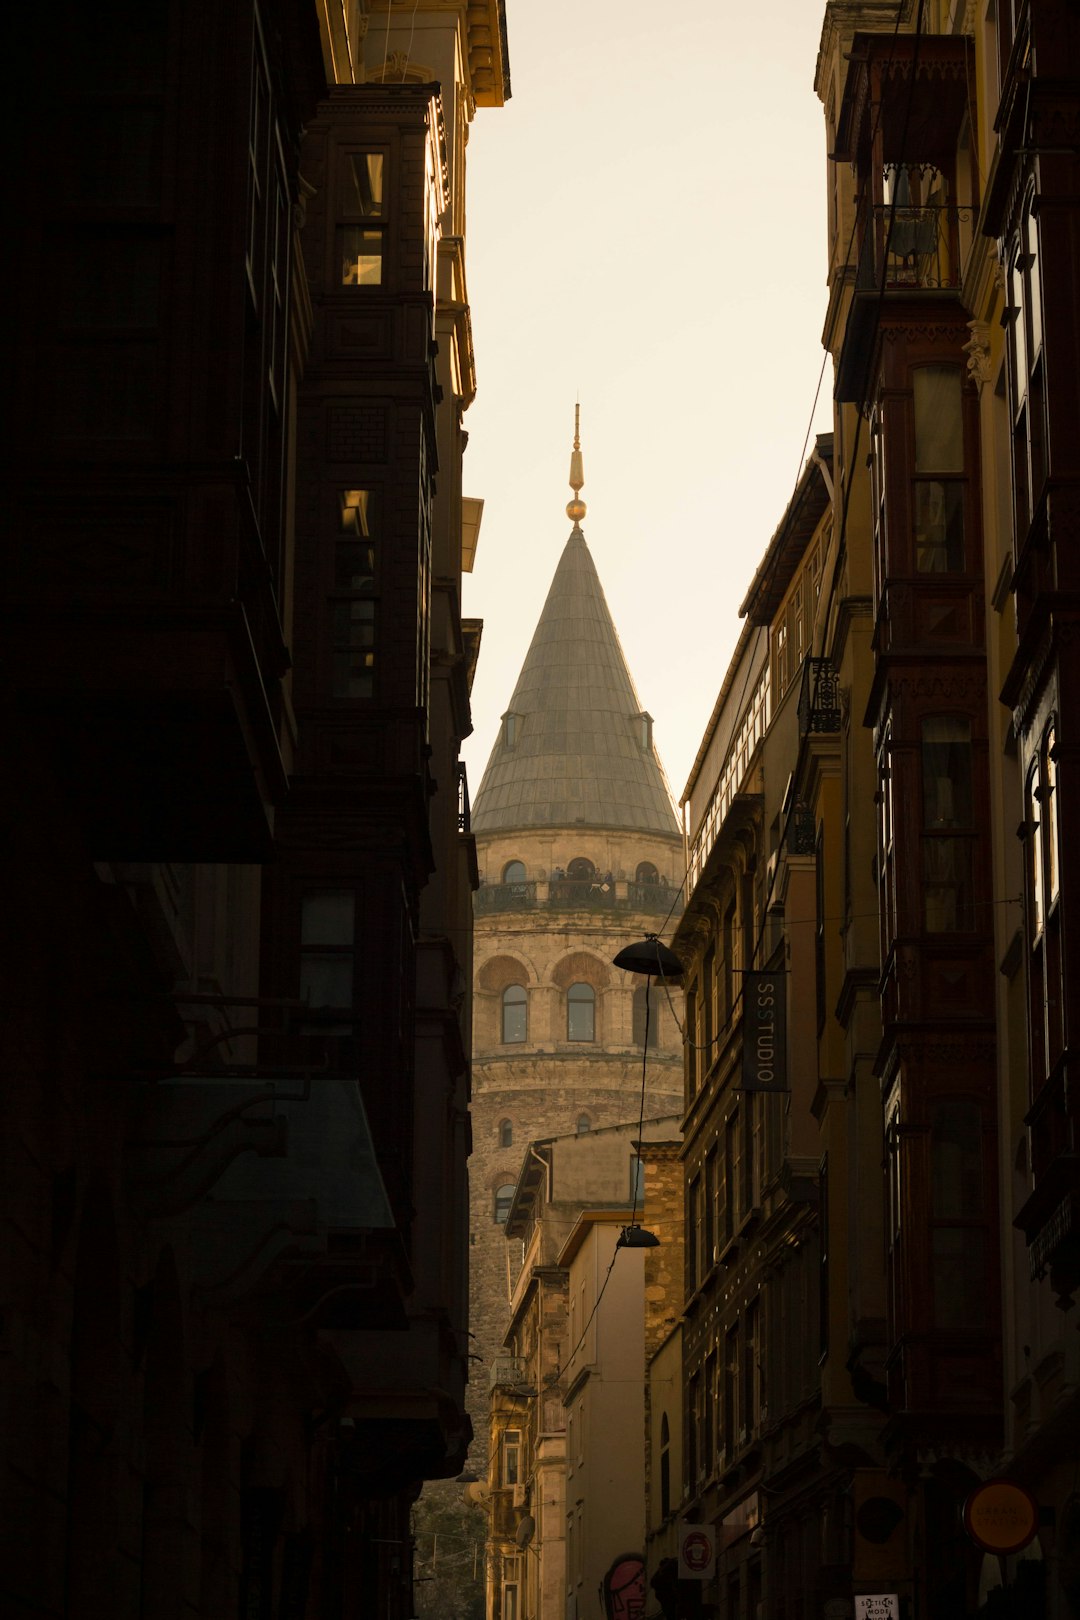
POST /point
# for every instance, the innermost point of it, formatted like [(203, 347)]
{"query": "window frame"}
[(581, 996), (509, 1002)]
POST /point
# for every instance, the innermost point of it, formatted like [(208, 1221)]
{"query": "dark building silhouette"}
[(238, 859)]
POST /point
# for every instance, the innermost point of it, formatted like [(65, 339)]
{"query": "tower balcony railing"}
[(579, 894)]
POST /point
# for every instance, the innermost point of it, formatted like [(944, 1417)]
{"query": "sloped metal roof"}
[(574, 751)]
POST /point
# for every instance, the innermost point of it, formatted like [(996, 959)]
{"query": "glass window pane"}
[(946, 764), (1035, 832), (1016, 325), (328, 918), (326, 981), (958, 1262), (353, 674), (1050, 815), (939, 438), (354, 566), (1031, 243), (947, 898), (515, 1012), (354, 624), (361, 256), (364, 184), (957, 1161), (580, 1013), (939, 526), (355, 510)]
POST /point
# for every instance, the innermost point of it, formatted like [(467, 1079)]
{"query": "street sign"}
[(697, 1552), (877, 1606), (1000, 1516)]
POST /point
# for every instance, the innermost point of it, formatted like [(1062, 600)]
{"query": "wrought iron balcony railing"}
[(912, 249), (819, 698), (579, 894)]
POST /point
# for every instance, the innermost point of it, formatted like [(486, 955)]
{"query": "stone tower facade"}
[(579, 853)]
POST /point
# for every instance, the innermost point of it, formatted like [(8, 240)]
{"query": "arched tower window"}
[(514, 872), (506, 1133), (515, 1014), (504, 1197), (581, 1013), (646, 873), (584, 1124), (581, 870)]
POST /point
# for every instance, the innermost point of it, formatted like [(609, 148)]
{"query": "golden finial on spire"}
[(575, 509)]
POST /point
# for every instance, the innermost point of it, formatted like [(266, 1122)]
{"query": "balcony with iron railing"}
[(578, 894), (904, 249), (733, 776)]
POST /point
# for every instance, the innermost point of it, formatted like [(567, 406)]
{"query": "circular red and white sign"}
[(696, 1550)]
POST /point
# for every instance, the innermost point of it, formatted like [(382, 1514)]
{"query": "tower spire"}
[(575, 509)]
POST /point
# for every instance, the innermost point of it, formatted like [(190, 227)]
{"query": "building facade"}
[(565, 1482), (239, 866), (896, 841)]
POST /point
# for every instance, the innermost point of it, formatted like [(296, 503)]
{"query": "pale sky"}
[(646, 231)]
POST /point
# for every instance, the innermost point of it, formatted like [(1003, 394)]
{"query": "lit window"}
[(581, 1013), (515, 1014), (352, 607), (511, 1454), (361, 246)]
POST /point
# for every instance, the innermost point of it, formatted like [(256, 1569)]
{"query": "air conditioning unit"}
[(521, 1495)]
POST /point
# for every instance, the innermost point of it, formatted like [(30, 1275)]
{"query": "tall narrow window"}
[(327, 948), (948, 825), (362, 227), (515, 1014), (1026, 371), (708, 1004), (353, 614), (506, 1133), (938, 494), (731, 945), (581, 1013), (511, 1450), (504, 1198), (693, 1234), (958, 1232)]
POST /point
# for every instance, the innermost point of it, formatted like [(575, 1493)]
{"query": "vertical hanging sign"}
[(764, 1054)]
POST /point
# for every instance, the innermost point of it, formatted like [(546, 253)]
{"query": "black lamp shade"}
[(650, 956)]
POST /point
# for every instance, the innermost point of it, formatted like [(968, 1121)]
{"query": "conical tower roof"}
[(575, 746)]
